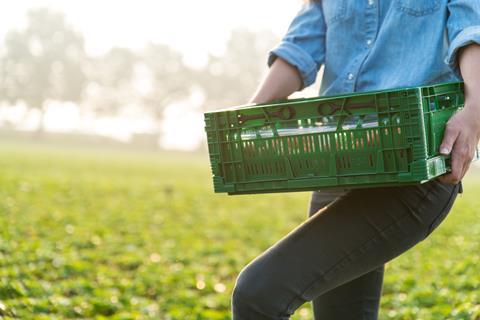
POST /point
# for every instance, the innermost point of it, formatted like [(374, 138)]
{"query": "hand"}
[(460, 140)]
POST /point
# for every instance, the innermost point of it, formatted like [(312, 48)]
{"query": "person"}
[(336, 257)]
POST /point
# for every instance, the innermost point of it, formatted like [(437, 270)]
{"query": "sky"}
[(191, 26), (194, 28)]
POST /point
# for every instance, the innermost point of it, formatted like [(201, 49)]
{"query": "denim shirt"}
[(379, 44)]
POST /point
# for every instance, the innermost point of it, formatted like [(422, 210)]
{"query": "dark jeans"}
[(336, 258)]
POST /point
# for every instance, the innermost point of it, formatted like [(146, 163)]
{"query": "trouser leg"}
[(350, 238), (356, 299)]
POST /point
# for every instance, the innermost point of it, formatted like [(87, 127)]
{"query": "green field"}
[(125, 235)]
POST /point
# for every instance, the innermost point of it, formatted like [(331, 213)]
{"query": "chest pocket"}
[(417, 8), (334, 10)]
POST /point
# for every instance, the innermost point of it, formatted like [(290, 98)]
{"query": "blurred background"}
[(136, 72), (107, 208)]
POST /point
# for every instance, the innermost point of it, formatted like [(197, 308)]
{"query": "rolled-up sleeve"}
[(463, 28), (303, 46)]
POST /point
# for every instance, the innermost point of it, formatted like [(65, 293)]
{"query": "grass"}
[(119, 235)]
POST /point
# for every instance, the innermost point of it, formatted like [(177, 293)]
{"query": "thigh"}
[(354, 235), (321, 199), (356, 299)]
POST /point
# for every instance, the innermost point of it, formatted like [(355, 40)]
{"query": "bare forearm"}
[(469, 61), (282, 80)]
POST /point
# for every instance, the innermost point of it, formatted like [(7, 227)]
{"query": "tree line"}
[(47, 61)]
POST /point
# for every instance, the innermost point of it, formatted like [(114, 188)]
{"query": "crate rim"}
[(320, 98)]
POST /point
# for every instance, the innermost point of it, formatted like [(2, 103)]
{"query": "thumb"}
[(449, 138)]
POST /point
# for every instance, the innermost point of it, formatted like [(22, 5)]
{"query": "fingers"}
[(462, 156), (460, 139), (465, 169), (457, 166), (448, 143), (468, 155), (449, 138)]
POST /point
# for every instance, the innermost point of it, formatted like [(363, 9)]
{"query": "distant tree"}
[(110, 81), (232, 78), (169, 79), (146, 81), (42, 62)]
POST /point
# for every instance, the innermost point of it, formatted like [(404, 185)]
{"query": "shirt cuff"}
[(297, 57), (466, 37)]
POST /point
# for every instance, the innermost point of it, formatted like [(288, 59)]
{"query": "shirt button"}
[(369, 42), (350, 76), (371, 2)]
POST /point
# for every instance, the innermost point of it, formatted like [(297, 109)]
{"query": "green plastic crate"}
[(381, 138)]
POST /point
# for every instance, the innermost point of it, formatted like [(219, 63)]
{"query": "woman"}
[(336, 258)]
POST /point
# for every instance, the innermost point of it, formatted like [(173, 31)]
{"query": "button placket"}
[(371, 17), (370, 32)]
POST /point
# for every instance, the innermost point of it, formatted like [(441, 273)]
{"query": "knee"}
[(250, 294), (244, 291)]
